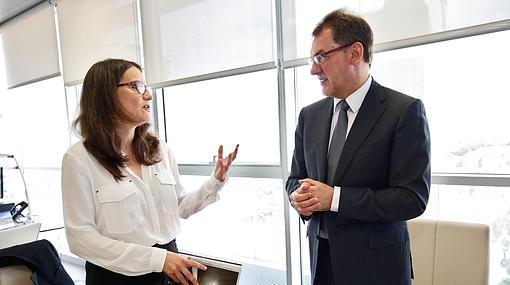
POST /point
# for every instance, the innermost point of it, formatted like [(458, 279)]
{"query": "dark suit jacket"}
[(384, 175)]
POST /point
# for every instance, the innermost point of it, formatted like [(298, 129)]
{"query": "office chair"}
[(15, 275), (449, 253)]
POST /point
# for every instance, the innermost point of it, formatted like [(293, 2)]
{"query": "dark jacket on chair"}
[(41, 258)]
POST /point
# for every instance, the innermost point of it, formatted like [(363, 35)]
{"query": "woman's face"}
[(136, 105)]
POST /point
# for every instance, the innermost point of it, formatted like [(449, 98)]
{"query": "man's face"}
[(333, 72)]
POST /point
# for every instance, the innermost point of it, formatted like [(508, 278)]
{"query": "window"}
[(34, 116), (245, 225), (232, 110), (464, 99), (38, 132)]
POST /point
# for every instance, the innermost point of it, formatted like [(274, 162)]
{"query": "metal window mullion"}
[(236, 170), (216, 75), (284, 172), (444, 36), (491, 180)]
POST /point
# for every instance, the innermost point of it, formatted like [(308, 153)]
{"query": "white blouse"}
[(114, 224)]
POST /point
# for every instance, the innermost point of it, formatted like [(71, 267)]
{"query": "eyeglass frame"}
[(135, 85), (320, 58)]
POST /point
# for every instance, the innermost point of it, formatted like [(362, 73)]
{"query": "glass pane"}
[(390, 19), (479, 11), (246, 225), (232, 110), (45, 197), (291, 111), (306, 275), (465, 97), (12, 188), (73, 94), (33, 123), (308, 88), (43, 189), (486, 205), (185, 38)]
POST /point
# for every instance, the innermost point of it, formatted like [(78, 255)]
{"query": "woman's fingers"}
[(178, 268), (220, 152)]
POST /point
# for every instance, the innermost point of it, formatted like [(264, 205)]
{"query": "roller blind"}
[(390, 20), (30, 46), (93, 30), (192, 37)]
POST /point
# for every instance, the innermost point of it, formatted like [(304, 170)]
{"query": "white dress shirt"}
[(114, 224), (354, 100)]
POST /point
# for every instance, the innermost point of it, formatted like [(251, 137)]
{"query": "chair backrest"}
[(446, 253), (15, 275)]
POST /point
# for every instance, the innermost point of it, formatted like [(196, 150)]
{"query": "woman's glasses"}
[(139, 86)]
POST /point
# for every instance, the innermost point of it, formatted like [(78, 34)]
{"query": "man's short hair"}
[(348, 28)]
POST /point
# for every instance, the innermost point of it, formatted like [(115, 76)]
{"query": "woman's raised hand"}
[(223, 164)]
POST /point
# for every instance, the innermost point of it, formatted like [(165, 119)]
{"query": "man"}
[(360, 169)]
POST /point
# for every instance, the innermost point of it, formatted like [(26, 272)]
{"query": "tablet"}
[(218, 271)]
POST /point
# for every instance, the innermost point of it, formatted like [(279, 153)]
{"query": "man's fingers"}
[(308, 211), (309, 181), (306, 206), (307, 203), (298, 197), (305, 187)]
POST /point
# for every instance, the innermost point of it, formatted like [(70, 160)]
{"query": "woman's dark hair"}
[(100, 112), (348, 28)]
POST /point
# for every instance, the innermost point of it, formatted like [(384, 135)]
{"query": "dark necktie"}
[(337, 141), (335, 150)]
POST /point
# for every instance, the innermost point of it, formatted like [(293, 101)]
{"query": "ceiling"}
[(12, 8)]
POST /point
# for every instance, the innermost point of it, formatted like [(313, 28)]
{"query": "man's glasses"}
[(139, 86), (321, 57)]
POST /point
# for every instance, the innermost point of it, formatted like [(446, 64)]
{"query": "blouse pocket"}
[(120, 207), (169, 201)]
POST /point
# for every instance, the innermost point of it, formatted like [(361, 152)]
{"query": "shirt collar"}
[(356, 98)]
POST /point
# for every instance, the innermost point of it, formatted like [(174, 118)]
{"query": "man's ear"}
[(357, 52)]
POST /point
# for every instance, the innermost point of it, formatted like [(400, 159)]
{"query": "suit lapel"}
[(371, 110), (322, 126)]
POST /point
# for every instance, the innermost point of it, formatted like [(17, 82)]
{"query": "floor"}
[(77, 272)]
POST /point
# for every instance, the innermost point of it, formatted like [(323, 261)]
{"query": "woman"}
[(121, 188)]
